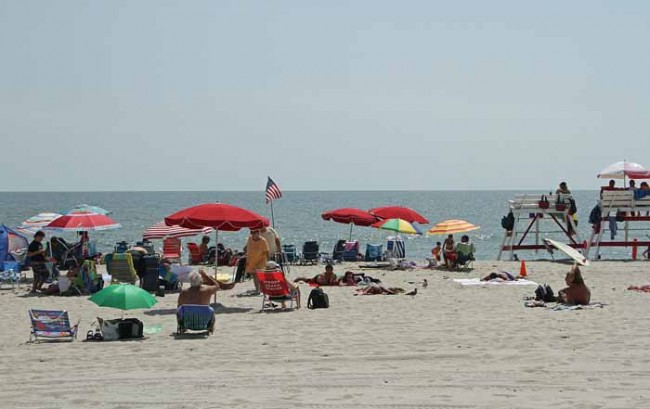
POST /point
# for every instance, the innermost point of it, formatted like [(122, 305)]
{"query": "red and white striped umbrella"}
[(162, 231)]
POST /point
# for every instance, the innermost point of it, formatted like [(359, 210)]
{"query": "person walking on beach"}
[(257, 255), (36, 254)]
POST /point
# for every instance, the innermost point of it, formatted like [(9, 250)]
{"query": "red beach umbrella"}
[(83, 221), (351, 216), (398, 212), (219, 216)]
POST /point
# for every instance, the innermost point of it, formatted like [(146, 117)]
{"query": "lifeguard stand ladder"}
[(632, 211), (526, 209)]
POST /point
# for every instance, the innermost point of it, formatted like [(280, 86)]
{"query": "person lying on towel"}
[(499, 275), (326, 278)]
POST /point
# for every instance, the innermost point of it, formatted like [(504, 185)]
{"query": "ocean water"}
[(297, 214)]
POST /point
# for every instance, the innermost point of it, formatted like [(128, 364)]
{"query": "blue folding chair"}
[(191, 317)]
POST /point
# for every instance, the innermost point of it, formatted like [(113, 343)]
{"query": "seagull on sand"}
[(414, 292)]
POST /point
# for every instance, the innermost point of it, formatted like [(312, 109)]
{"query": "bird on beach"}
[(414, 292), (425, 283)]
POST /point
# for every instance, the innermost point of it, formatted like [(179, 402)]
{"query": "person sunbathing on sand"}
[(326, 278), (503, 275), (378, 289), (577, 292)]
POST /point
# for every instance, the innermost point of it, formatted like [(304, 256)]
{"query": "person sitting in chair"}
[(465, 250), (204, 250), (202, 288)]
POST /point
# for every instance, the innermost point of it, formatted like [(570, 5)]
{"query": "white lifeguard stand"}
[(532, 220), (633, 213)]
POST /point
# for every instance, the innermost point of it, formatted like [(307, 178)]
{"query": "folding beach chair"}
[(373, 252), (351, 252), (337, 252), (195, 254), (290, 253), (464, 256), (274, 287), (120, 267), (53, 325), (310, 253), (191, 317), (172, 249), (395, 248), (66, 254), (88, 281)]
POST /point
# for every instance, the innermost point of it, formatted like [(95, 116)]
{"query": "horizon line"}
[(296, 190)]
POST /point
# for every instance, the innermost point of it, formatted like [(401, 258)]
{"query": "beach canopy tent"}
[(623, 170), (13, 246)]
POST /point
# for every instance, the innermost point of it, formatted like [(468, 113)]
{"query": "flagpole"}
[(272, 218)]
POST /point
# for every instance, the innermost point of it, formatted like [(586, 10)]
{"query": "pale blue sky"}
[(216, 95)]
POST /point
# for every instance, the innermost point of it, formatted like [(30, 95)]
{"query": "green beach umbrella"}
[(124, 297)]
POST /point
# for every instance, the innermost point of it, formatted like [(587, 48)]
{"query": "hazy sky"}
[(216, 95)]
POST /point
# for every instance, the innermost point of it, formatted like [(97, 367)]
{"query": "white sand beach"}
[(447, 347)]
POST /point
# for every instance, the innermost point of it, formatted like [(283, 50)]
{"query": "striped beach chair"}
[(52, 325), (191, 317)]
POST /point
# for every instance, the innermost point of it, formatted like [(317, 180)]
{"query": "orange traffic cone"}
[(522, 269)]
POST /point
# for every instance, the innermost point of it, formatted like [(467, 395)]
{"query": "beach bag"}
[(508, 221), (130, 328), (620, 216), (543, 202), (595, 215), (109, 329), (318, 299), (544, 293)]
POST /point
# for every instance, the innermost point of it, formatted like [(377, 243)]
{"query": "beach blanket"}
[(563, 307), (477, 281)]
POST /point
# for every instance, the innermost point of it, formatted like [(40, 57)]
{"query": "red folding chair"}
[(274, 287), (195, 253), (172, 249)]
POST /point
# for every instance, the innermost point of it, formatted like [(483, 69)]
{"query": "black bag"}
[(545, 293), (318, 299), (130, 328), (508, 222), (149, 281), (595, 215)]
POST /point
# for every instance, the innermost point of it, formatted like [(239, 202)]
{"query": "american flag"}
[(272, 191)]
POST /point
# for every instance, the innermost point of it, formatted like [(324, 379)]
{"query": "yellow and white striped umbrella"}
[(452, 227)]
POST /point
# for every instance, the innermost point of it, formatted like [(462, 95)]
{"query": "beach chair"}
[(351, 251), (373, 252), (464, 256), (120, 267), (195, 254), (172, 249), (66, 254), (395, 248), (274, 287), (290, 253), (52, 325), (88, 281), (339, 248), (191, 317), (310, 253)]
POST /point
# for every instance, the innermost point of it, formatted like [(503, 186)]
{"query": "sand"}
[(447, 347)]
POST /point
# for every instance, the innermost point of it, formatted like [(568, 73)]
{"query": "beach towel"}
[(477, 281), (563, 307)]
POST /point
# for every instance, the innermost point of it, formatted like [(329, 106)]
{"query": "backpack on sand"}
[(318, 299)]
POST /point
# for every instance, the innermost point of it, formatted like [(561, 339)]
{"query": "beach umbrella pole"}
[(351, 224), (216, 259)]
